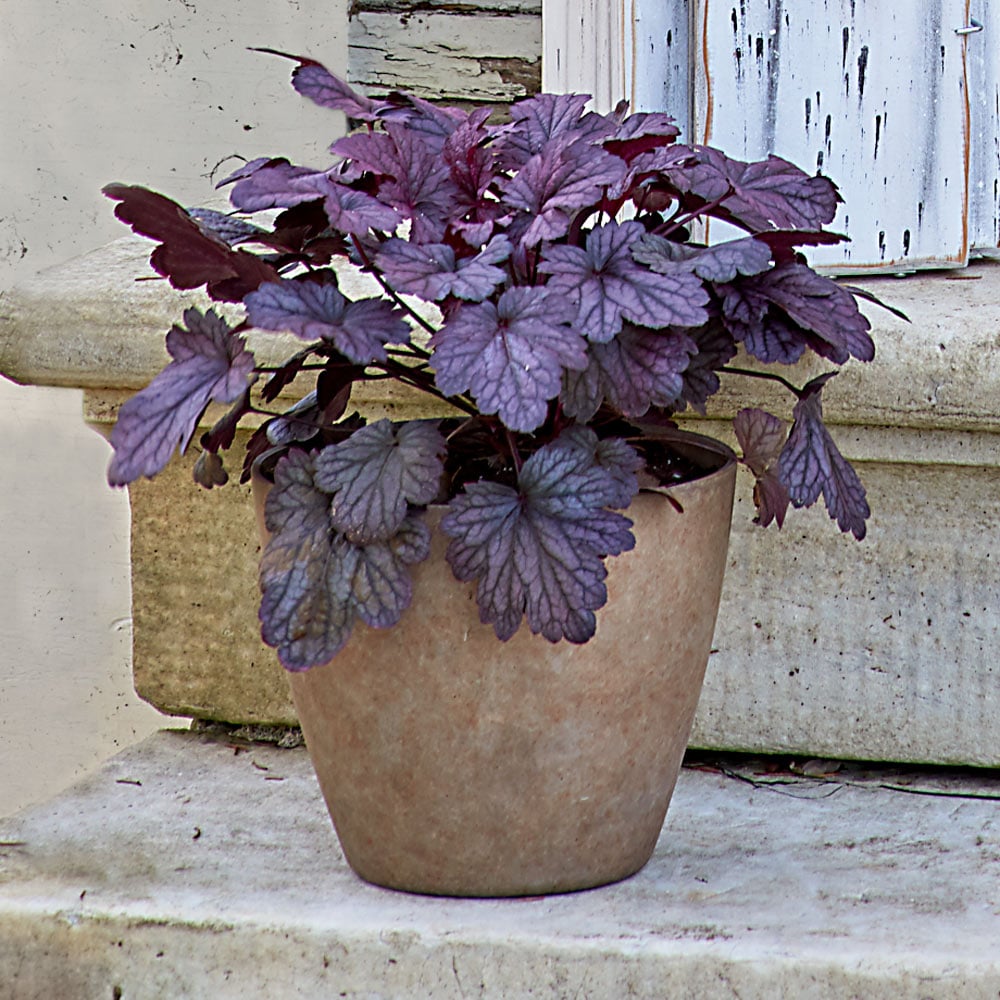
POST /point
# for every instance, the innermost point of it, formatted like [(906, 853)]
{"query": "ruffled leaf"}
[(640, 133), (432, 123), (810, 464), (765, 194), (617, 457), (538, 551), (431, 271), (640, 368), (471, 165), (210, 363), (565, 175), (700, 379), (315, 583), (376, 472), (355, 212), (722, 262), (275, 183), (413, 178), (778, 313), (311, 79), (608, 285), (187, 255), (761, 437), (510, 355), (318, 311), (539, 120)]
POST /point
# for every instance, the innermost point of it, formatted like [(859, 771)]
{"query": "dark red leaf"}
[(188, 256)]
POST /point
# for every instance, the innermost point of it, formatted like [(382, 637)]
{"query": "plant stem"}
[(512, 448), (388, 289), (410, 351), (682, 220), (421, 379), (770, 376)]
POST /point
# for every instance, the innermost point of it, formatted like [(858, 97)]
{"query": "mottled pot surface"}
[(455, 764)]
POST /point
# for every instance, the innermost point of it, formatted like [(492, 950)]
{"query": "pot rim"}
[(673, 435)]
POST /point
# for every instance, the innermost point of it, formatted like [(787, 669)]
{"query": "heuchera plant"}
[(574, 311)]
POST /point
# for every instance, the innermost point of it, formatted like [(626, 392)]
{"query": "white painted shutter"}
[(887, 99), (984, 167)]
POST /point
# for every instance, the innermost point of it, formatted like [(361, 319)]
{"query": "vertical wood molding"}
[(583, 49)]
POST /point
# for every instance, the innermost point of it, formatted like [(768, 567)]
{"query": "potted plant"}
[(480, 722)]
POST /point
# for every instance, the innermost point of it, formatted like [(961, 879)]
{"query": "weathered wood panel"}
[(584, 49), (616, 49), (660, 35), (873, 95), (489, 50), (983, 53)]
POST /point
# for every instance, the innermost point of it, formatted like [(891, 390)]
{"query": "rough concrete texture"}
[(89, 323), (877, 650), (196, 646), (190, 868)]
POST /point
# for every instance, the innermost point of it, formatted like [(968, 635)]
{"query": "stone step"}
[(199, 867), (876, 650)]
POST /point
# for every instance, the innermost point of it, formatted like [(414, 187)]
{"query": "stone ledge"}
[(193, 868), (90, 323)]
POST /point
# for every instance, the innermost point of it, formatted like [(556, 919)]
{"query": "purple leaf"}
[(638, 369), (640, 133), (715, 349), (648, 167), (355, 212), (226, 227), (210, 363), (780, 312), (414, 180), (722, 262), (223, 431), (608, 285), (376, 472), (276, 184), (766, 194), (762, 436), (543, 118), (510, 355), (565, 175), (310, 415), (314, 81), (810, 464), (617, 457), (471, 165), (432, 123), (315, 583), (538, 550), (431, 271), (314, 310)]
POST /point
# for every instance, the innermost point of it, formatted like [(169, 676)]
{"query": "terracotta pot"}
[(454, 764)]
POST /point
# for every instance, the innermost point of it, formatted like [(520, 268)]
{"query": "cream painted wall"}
[(157, 92), (66, 699)]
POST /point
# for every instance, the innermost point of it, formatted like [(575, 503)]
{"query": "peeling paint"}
[(830, 70), (479, 52)]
